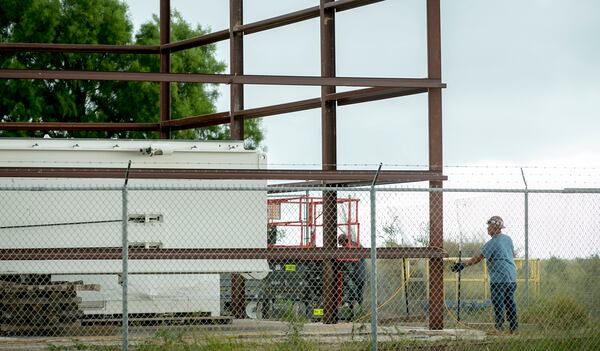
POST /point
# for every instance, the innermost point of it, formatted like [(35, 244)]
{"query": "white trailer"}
[(156, 219)]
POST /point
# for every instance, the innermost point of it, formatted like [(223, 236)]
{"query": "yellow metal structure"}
[(476, 275), (481, 275)]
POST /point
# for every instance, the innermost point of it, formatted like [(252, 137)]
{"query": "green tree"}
[(102, 22)]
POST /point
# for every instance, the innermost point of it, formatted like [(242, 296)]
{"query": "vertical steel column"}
[(236, 67), (236, 127), (436, 208), (238, 296), (329, 160), (526, 267), (125, 271), (374, 317), (330, 267), (165, 66), (125, 261)]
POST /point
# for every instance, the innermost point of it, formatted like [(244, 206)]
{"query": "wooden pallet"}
[(55, 286), (165, 319), (41, 309)]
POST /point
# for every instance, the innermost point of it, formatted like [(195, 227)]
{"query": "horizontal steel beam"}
[(114, 253), (222, 78), (212, 119), (266, 24), (372, 94), (343, 5), (205, 39), (267, 174), (279, 21), (344, 98), (279, 109), (210, 38), (89, 48), (289, 187), (47, 126)]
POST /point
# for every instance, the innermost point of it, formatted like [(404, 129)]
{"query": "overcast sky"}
[(522, 79)]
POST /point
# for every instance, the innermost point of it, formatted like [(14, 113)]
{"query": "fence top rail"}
[(283, 189)]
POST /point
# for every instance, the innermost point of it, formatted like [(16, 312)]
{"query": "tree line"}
[(103, 22)]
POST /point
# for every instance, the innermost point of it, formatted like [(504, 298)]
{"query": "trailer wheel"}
[(254, 310)]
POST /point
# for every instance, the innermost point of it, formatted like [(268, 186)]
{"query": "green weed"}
[(556, 312)]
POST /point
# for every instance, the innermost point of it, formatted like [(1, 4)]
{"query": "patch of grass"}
[(556, 312), (167, 341), (574, 343), (295, 324), (80, 346), (178, 341)]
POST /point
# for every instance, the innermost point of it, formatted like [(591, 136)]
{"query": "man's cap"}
[(342, 238), (496, 221)]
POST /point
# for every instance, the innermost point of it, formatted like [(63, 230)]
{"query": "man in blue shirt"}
[(499, 253)]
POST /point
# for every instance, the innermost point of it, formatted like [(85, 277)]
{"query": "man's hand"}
[(457, 267)]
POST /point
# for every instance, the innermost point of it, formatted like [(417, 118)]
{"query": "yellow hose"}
[(395, 293)]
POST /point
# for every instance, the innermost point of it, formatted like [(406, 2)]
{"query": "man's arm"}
[(459, 266), (474, 260)]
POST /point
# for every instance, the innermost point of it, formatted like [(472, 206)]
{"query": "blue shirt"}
[(499, 255)]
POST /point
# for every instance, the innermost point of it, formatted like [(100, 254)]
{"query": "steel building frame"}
[(371, 89)]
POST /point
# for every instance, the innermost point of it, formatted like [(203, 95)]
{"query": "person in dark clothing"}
[(357, 271)]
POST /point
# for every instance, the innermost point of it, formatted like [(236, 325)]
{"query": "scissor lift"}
[(297, 222), (303, 215)]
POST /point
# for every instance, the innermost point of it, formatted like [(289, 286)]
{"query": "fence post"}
[(374, 264), (125, 258), (526, 265)]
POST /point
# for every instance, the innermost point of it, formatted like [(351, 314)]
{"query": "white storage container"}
[(164, 219)]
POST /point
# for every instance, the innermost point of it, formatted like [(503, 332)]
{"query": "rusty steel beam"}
[(328, 160), (218, 118), (279, 21), (343, 5), (205, 39), (211, 119), (238, 296), (122, 76), (436, 200), (266, 24), (372, 94), (210, 38), (43, 126), (80, 48), (328, 108), (236, 127), (318, 253), (222, 78), (349, 183), (236, 68), (165, 67), (280, 108), (264, 174), (300, 15), (344, 98)]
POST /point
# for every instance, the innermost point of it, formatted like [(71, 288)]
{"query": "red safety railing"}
[(304, 214)]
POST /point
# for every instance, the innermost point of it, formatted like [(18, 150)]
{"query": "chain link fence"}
[(245, 266)]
